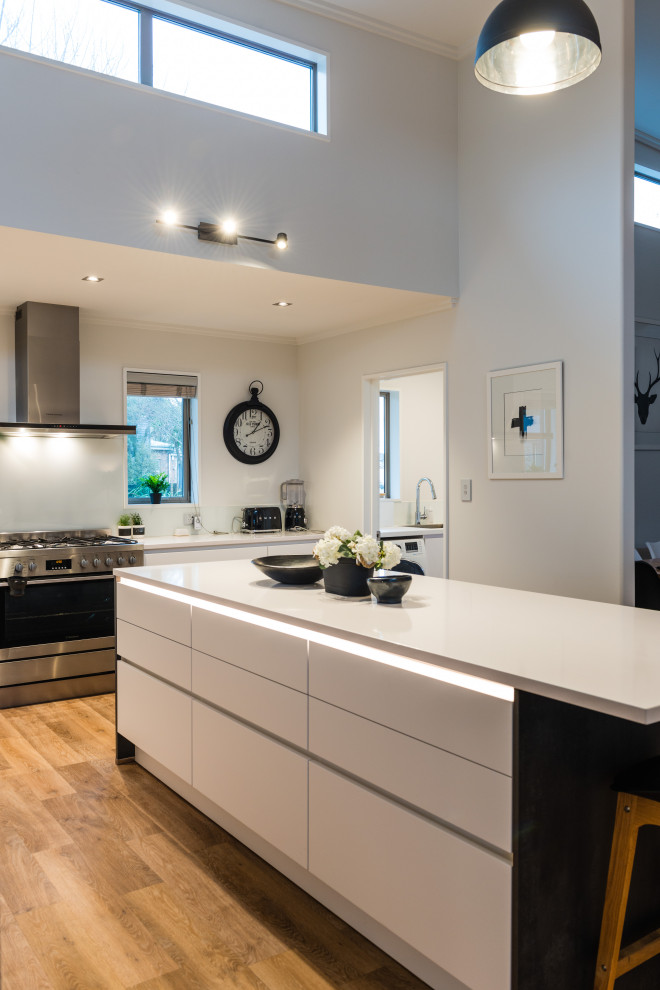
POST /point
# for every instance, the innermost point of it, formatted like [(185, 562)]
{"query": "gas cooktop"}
[(58, 554)]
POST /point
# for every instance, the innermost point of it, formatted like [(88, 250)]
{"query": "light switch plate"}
[(466, 490)]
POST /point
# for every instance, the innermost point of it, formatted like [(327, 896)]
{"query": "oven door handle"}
[(35, 582)]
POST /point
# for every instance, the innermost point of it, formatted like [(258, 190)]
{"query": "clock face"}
[(253, 432)]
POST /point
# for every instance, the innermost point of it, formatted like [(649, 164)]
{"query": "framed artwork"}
[(525, 422), (647, 387)]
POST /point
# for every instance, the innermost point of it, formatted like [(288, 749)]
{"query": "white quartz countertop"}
[(392, 532), (226, 540), (599, 656)]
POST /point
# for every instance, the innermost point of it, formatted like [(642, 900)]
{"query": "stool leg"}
[(622, 856)]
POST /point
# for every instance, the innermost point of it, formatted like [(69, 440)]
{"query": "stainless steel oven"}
[(57, 614)]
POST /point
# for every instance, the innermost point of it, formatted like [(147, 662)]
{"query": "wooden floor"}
[(110, 880)]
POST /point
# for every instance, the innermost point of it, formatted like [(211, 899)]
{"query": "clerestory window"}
[(647, 197), (177, 50)]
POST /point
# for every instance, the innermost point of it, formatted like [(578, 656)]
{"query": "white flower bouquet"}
[(338, 544)]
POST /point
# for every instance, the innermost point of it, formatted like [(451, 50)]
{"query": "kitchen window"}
[(163, 408), (177, 50)]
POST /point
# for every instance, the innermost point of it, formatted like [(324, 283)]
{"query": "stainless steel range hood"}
[(48, 376)]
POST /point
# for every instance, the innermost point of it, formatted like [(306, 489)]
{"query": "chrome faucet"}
[(418, 515)]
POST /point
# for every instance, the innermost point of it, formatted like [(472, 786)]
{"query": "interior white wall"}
[(85, 487), (421, 433), (545, 207), (99, 159)]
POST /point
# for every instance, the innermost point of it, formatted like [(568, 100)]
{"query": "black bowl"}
[(290, 568), (390, 587)]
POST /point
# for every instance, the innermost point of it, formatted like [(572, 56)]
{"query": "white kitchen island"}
[(436, 772)]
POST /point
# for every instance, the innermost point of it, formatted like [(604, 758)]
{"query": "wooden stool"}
[(638, 804)]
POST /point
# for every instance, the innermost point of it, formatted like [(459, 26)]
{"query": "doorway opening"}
[(405, 440)]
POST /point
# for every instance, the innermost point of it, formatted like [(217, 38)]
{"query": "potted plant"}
[(124, 525), (157, 485), (138, 525), (348, 559)]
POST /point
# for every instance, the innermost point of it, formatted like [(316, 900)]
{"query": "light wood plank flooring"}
[(109, 880)]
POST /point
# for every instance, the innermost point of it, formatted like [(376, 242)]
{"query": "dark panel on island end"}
[(566, 758)]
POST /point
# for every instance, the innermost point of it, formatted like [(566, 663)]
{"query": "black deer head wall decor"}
[(644, 400)]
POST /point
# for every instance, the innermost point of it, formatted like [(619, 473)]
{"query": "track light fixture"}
[(537, 46), (222, 233)]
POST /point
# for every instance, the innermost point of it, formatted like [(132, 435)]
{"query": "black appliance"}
[(294, 517), (57, 613), (262, 519)]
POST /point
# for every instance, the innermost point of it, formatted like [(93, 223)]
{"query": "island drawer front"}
[(258, 781), (156, 717), (476, 726), (446, 897), (274, 655), (269, 705), (469, 796), (161, 615), (161, 656)]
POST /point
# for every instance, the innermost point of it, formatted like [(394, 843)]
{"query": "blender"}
[(292, 494)]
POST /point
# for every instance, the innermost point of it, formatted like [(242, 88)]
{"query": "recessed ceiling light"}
[(282, 302), (92, 278)]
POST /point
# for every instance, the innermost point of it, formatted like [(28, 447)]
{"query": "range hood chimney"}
[(48, 376)]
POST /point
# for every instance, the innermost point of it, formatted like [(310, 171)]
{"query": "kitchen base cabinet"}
[(156, 717), (445, 896), (255, 779)]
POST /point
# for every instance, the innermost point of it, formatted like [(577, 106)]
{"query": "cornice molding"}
[(375, 26)]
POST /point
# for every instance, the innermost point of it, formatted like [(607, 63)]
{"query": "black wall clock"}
[(251, 431)]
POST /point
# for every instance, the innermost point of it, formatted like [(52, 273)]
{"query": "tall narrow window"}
[(647, 199), (384, 446), (162, 406)]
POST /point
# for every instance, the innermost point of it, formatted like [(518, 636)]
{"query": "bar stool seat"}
[(638, 804)]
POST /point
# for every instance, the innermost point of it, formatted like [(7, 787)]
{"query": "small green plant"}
[(156, 482), (125, 519), (136, 519)]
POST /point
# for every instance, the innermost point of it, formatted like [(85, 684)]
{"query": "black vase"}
[(155, 497), (347, 578)]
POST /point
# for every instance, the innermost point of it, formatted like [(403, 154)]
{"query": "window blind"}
[(171, 386)]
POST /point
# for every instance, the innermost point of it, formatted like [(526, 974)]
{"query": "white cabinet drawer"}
[(272, 654), (161, 615), (446, 897), (156, 717), (467, 723), (260, 782), (196, 555), (469, 796), (161, 656), (256, 699), (275, 549)]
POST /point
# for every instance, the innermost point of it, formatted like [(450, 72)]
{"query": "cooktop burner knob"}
[(84, 562), (18, 567), (131, 559), (32, 566), (108, 561), (120, 560), (97, 562)]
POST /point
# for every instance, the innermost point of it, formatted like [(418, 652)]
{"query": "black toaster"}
[(262, 519)]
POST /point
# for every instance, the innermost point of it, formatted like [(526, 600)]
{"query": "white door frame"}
[(370, 394)]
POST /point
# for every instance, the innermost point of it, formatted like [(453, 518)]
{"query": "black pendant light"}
[(537, 46)]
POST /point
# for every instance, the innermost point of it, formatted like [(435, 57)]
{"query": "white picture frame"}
[(531, 449)]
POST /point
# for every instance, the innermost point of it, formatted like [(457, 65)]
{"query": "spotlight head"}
[(282, 241), (169, 217)]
